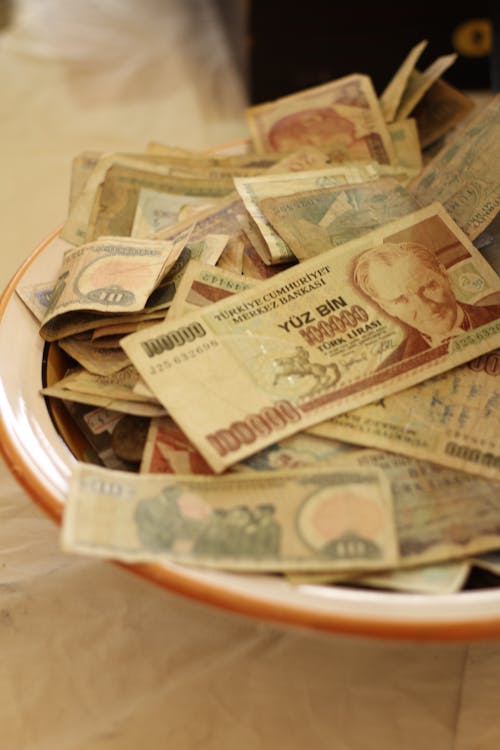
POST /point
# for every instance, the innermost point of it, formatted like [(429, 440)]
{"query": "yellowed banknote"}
[(104, 332), (232, 257), (169, 451), (440, 514), (342, 117), (181, 178), (36, 297), (353, 325), (74, 229), (94, 358), (440, 578), (111, 275), (313, 221), (82, 167), (78, 322), (224, 218), (156, 210), (420, 82), (440, 110), (125, 406), (116, 385), (464, 175), (393, 92), (115, 202), (253, 190), (451, 419), (203, 285), (321, 518), (109, 195), (406, 141)]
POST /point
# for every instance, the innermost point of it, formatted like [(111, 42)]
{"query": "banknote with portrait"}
[(342, 117), (408, 301)]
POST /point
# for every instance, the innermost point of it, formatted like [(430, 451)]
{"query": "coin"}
[(129, 437)]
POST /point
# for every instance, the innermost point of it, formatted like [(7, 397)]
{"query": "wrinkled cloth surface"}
[(91, 656)]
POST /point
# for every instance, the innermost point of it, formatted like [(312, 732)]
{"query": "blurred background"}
[(106, 75), (296, 46)]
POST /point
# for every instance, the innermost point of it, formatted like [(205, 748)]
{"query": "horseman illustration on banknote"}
[(298, 365)]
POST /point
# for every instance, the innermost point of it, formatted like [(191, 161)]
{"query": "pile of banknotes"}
[(284, 353)]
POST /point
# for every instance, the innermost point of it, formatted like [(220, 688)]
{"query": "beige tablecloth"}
[(93, 658)]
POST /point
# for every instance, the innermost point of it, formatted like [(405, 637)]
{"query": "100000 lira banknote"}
[(357, 323), (168, 451)]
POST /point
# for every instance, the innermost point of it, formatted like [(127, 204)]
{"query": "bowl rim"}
[(468, 627)]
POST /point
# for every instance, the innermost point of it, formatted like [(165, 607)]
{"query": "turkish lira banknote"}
[(464, 175), (317, 518), (451, 419), (342, 117), (314, 221), (353, 325)]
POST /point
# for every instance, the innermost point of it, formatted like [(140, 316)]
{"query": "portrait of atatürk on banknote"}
[(410, 283)]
